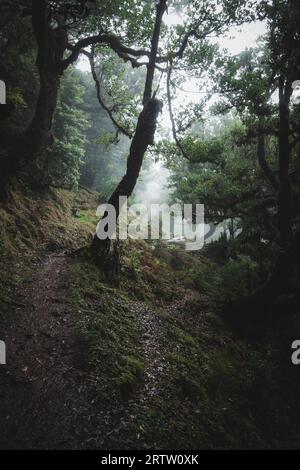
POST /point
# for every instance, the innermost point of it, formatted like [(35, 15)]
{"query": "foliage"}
[(63, 161)]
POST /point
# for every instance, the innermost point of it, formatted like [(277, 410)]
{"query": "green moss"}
[(184, 338), (131, 375), (108, 328), (88, 218), (214, 392)]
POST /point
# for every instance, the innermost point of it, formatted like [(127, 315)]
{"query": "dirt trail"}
[(123, 430), (151, 329), (47, 400), (41, 377)]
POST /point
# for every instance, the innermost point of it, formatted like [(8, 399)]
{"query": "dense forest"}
[(142, 342)]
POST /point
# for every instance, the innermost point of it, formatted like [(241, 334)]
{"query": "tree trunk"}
[(285, 191), (143, 137), (51, 46), (261, 155)]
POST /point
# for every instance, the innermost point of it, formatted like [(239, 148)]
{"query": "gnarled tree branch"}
[(124, 52), (172, 119), (117, 125)]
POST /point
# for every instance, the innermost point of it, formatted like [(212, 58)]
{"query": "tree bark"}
[(160, 10), (51, 45), (285, 191), (143, 137), (261, 155)]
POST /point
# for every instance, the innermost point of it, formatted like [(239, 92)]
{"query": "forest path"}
[(42, 382), (151, 329), (125, 429), (48, 400)]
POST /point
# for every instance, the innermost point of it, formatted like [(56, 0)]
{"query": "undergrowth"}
[(217, 391)]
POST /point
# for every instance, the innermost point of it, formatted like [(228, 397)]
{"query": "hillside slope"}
[(149, 364)]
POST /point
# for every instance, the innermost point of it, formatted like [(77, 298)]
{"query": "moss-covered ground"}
[(160, 368)]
